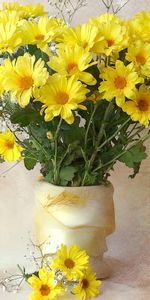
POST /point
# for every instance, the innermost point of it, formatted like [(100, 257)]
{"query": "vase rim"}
[(108, 184)]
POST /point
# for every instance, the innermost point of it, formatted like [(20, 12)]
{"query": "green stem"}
[(22, 272), (136, 133), (89, 124), (37, 141), (101, 132), (64, 156), (100, 135), (56, 151), (113, 135), (133, 128), (122, 153)]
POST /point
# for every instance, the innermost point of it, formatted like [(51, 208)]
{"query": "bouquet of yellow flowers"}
[(74, 99)]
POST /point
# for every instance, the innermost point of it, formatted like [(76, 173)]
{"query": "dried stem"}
[(67, 9), (114, 5)]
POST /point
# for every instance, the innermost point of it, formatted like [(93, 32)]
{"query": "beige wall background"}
[(128, 247)]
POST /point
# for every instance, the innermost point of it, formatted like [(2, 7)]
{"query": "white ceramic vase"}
[(75, 215)]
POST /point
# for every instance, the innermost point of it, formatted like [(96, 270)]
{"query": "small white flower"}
[(4, 288)]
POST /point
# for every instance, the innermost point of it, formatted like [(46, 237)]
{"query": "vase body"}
[(75, 215)]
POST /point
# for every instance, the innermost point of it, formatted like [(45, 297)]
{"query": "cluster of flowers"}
[(107, 58), (69, 271)]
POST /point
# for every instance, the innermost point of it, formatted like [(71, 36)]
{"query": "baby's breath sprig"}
[(114, 5), (67, 8)]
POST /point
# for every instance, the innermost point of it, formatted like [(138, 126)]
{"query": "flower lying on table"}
[(70, 268), (66, 272)]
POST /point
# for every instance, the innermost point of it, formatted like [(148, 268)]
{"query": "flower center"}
[(25, 82), (72, 67), (45, 290), (140, 59), (10, 144), (120, 82), (69, 263), (110, 42), (85, 283), (40, 37), (62, 98), (85, 44), (143, 105)]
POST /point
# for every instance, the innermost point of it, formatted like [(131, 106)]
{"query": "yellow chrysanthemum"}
[(62, 95), (83, 36), (41, 32), (44, 286), (49, 135), (96, 96), (119, 82), (23, 76), (10, 37), (9, 16), (12, 6), (88, 286), (139, 26), (105, 18), (9, 148), (33, 11), (139, 107), (71, 261), (139, 54), (73, 61), (27, 11), (112, 36)]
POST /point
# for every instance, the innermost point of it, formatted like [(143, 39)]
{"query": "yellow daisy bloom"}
[(105, 18), (72, 262), (9, 148), (33, 11), (139, 107), (41, 32), (139, 26), (10, 37), (112, 37), (139, 54), (44, 286), (60, 96), (119, 82), (88, 286), (10, 16), (23, 76), (96, 96), (12, 6), (49, 135), (27, 11), (73, 61), (83, 36)]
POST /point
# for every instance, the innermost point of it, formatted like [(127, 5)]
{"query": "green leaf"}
[(24, 116), (134, 155), (67, 173), (49, 177), (136, 170), (1, 160), (30, 163)]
